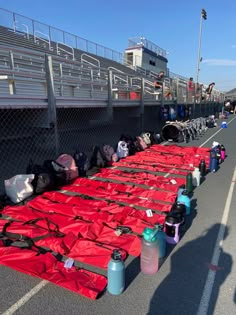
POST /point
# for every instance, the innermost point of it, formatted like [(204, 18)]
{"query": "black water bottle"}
[(181, 209), (202, 168), (189, 182)]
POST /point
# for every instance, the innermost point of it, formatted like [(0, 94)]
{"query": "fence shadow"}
[(188, 222)]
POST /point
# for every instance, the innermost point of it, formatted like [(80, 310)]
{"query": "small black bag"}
[(57, 172), (97, 158), (82, 162), (155, 137), (43, 180)]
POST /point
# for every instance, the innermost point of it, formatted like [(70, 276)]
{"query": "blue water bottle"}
[(213, 161), (161, 240), (184, 198), (116, 274)]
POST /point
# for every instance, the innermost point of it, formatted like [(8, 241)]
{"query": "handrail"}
[(15, 27), (117, 70), (27, 29), (116, 77), (141, 70), (153, 74), (86, 61), (149, 83), (153, 92), (42, 39), (127, 63), (134, 80), (64, 50)]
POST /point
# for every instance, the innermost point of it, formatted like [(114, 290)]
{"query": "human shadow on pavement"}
[(221, 271), (184, 229), (181, 291)]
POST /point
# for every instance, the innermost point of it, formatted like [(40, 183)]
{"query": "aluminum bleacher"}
[(10, 37), (57, 98)]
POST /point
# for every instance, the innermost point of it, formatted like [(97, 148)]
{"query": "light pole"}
[(203, 17)]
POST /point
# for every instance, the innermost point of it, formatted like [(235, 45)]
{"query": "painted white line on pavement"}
[(25, 298), (206, 295), (215, 133)]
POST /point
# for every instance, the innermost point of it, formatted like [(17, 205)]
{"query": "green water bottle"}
[(189, 182)]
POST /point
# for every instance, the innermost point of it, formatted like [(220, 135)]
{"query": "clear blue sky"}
[(172, 25)]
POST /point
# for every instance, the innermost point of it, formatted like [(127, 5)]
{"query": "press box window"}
[(152, 61)]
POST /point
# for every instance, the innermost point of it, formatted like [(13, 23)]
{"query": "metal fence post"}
[(142, 106), (52, 112), (177, 90), (61, 80), (12, 86), (196, 109), (110, 103)]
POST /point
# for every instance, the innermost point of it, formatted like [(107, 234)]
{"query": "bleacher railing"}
[(23, 65), (38, 30)]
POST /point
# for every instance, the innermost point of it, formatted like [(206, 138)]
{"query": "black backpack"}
[(43, 180), (57, 171), (155, 137), (97, 159), (82, 162)]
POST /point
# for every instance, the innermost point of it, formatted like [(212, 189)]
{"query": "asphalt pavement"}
[(197, 277)]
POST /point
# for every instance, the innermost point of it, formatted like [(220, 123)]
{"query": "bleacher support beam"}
[(52, 112)]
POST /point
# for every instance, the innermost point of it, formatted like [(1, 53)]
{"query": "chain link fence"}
[(23, 137)]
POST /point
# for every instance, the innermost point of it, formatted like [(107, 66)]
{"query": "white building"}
[(142, 53)]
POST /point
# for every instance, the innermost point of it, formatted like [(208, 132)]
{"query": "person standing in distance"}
[(209, 90), (158, 84), (191, 87)]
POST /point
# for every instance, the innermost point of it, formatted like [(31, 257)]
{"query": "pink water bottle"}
[(222, 152), (149, 259)]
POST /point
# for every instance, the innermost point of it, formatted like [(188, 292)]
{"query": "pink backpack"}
[(142, 143), (108, 151), (146, 137), (69, 165)]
